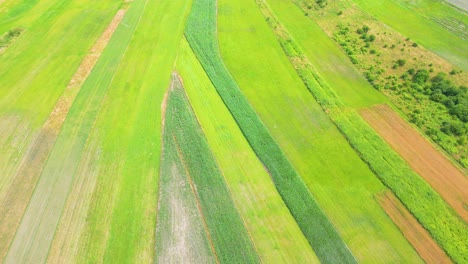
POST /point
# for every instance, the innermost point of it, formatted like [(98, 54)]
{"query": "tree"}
[(421, 76)]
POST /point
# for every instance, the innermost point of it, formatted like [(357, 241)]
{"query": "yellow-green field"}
[(227, 131)]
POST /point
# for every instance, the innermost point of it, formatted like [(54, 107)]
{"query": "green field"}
[(428, 33), (430, 209), (256, 198), (228, 131)]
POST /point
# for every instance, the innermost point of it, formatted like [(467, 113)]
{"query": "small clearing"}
[(421, 240), (449, 181)]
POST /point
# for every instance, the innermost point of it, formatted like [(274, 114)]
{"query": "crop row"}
[(421, 200), (324, 239)]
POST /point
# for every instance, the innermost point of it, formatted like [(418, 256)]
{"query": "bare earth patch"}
[(449, 181), (419, 238), (19, 192)]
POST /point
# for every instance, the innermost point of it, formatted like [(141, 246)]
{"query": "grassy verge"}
[(421, 200)]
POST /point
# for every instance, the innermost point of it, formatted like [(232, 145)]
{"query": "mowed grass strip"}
[(201, 35), (181, 235), (271, 226), (225, 226), (424, 31), (120, 221), (416, 194), (35, 233)]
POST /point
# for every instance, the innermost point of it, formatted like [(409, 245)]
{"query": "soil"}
[(419, 238), (430, 163)]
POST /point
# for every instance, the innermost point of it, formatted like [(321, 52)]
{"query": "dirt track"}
[(419, 238), (449, 181)]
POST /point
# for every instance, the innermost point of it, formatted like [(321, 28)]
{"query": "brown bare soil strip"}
[(449, 181), (419, 238), (17, 198)]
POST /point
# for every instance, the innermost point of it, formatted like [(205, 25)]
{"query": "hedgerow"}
[(322, 236)]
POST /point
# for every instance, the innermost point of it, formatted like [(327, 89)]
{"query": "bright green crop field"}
[(220, 131)]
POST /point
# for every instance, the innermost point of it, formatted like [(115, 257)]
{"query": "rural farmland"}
[(233, 131)]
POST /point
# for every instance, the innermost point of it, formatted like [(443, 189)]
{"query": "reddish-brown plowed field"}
[(419, 238), (449, 181)]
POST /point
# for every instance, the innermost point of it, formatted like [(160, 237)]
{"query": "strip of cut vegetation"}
[(225, 227), (421, 200), (324, 239)]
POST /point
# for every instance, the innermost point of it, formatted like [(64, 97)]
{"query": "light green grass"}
[(226, 229), (325, 240), (439, 11), (128, 129), (343, 185), (424, 31), (36, 231), (41, 62), (333, 65), (267, 218)]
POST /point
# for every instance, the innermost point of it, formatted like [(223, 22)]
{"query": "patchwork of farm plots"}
[(223, 131)]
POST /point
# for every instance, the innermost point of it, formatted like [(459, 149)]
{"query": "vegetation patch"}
[(7, 39), (431, 92), (420, 199), (224, 225)]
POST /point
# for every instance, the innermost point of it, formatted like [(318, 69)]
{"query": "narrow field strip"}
[(449, 181), (180, 229), (226, 229), (201, 35), (35, 233), (20, 190), (420, 199), (268, 220), (421, 240)]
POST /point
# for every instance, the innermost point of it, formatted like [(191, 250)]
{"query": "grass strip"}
[(324, 239)]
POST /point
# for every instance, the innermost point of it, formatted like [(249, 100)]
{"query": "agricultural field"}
[(233, 131)]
